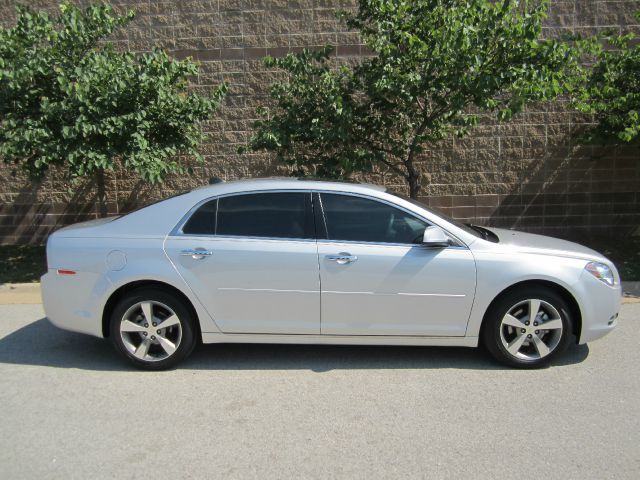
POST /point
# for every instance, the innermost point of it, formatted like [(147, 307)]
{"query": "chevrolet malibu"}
[(294, 261)]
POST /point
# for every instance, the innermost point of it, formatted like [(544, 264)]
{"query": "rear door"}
[(252, 260)]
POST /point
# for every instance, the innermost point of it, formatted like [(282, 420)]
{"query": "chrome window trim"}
[(177, 230), (243, 238), (383, 244)]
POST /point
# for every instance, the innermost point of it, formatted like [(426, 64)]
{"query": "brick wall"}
[(525, 174)]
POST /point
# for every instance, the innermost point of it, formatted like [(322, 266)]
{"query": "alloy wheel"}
[(531, 329), (150, 331)]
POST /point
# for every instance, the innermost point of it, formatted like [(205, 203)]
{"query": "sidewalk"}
[(29, 293)]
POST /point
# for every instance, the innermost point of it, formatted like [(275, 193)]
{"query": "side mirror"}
[(435, 237)]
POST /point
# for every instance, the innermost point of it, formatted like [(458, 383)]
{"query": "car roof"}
[(284, 183), (158, 219)]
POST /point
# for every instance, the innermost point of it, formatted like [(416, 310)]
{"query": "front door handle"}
[(342, 258), (196, 253)]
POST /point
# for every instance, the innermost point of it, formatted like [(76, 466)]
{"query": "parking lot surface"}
[(70, 408)]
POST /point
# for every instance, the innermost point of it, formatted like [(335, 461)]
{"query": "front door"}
[(252, 261), (376, 278)]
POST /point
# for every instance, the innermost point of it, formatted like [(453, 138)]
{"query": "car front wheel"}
[(528, 328), (152, 329)]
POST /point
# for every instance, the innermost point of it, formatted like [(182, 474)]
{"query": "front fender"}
[(497, 272)]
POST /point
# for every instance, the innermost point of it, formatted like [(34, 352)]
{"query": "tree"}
[(68, 97), (436, 65), (612, 91)]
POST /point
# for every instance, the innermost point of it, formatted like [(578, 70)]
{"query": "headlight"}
[(601, 271)]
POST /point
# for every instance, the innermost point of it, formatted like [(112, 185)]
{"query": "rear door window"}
[(269, 215)]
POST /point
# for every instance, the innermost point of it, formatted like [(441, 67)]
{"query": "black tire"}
[(495, 332), (181, 335)]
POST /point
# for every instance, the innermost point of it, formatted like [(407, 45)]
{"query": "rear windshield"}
[(137, 209)]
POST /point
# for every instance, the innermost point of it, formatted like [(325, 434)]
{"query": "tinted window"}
[(280, 215), (203, 220), (467, 228), (360, 219)]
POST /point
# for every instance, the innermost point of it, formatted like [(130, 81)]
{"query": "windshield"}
[(462, 226)]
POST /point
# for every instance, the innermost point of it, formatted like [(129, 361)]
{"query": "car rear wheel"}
[(528, 328), (152, 329)]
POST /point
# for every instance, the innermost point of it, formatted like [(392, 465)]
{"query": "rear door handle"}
[(342, 258), (196, 253)]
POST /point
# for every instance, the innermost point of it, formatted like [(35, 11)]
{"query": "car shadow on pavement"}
[(40, 343)]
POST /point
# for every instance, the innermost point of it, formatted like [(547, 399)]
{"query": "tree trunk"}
[(102, 194), (413, 175), (413, 179), (414, 186)]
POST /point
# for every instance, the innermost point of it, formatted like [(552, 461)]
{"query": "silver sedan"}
[(294, 261)]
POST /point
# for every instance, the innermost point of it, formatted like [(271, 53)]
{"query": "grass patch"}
[(22, 263), (26, 263)]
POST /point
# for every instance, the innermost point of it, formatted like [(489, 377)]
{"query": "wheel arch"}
[(567, 296), (117, 295)]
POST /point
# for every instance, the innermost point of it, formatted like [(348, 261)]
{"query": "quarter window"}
[(203, 220), (352, 218)]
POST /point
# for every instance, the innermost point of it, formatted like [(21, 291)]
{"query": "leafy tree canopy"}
[(68, 97), (612, 91), (435, 65)]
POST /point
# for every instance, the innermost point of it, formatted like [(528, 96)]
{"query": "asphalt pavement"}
[(70, 408)]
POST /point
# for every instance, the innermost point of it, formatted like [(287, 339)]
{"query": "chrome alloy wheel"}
[(150, 331), (531, 329)]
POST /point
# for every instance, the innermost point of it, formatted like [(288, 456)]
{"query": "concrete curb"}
[(20, 293), (29, 293)]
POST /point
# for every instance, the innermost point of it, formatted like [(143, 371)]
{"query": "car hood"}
[(543, 245)]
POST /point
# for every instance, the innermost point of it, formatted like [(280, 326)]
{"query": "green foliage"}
[(436, 65), (68, 97), (316, 111), (612, 91)]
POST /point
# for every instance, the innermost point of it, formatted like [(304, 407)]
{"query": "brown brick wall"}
[(526, 174)]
